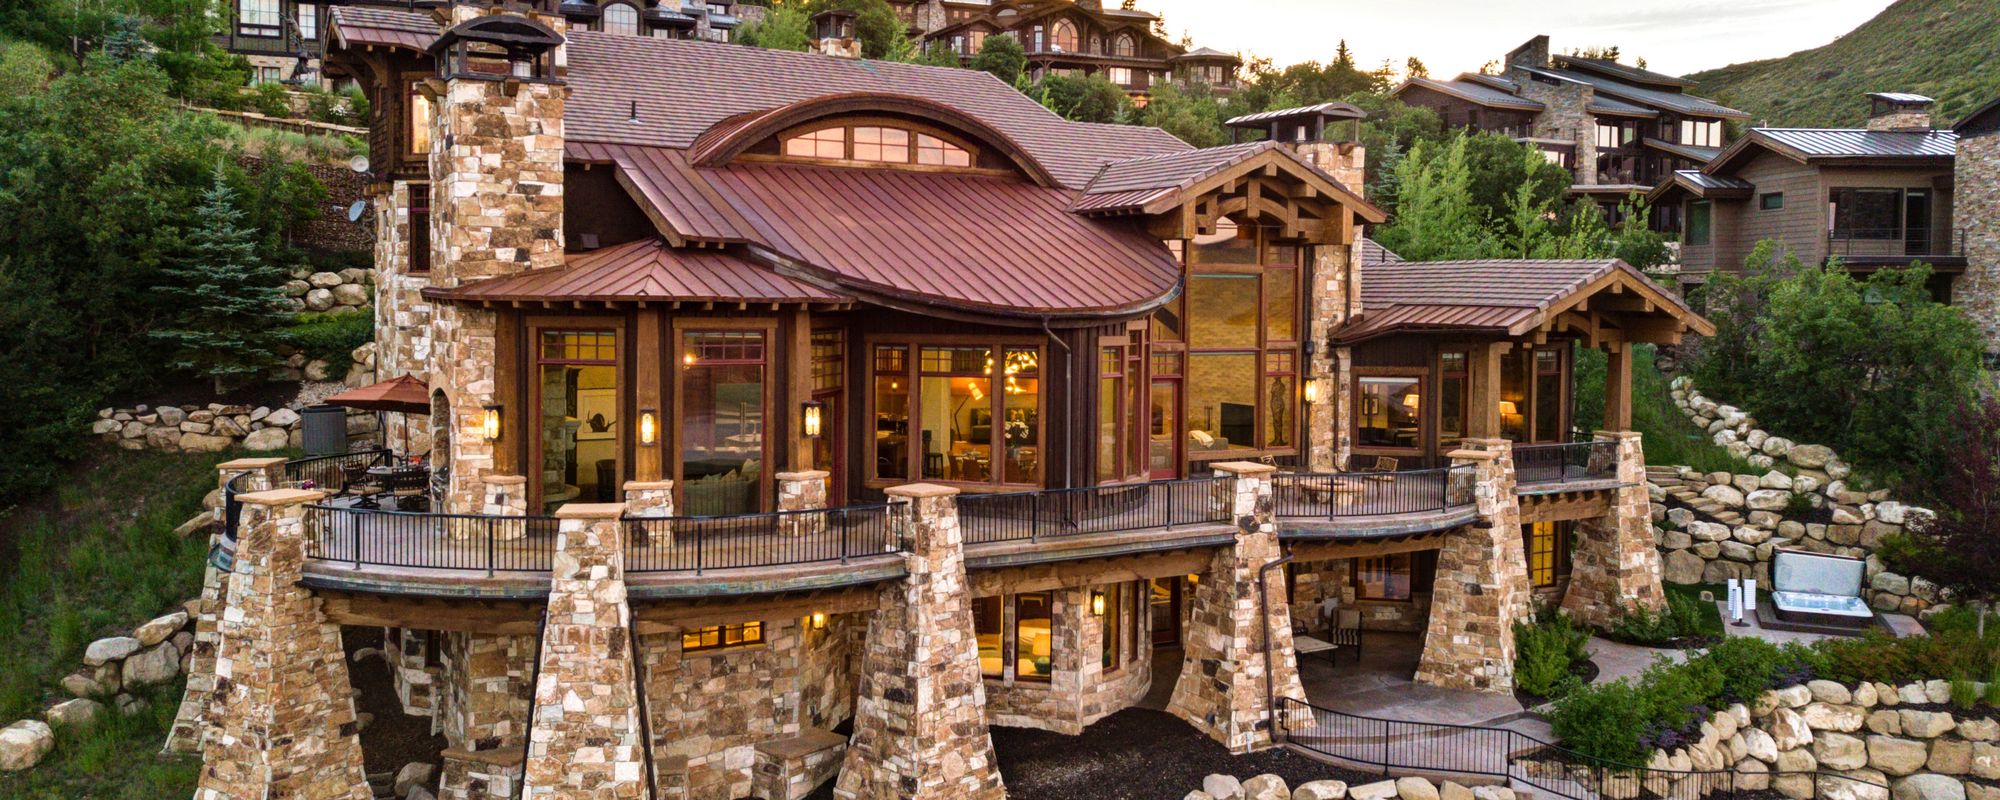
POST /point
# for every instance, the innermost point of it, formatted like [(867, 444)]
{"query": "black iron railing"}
[(375, 537), (1565, 463), (232, 508), (783, 538), (1029, 516), (329, 473), (1506, 754), (1304, 495)]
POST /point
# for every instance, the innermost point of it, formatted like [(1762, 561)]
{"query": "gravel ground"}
[(393, 738), (1135, 754)]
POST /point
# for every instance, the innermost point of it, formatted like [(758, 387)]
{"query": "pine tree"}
[(227, 297), (126, 42), (1415, 68), (1436, 219), (1342, 57)]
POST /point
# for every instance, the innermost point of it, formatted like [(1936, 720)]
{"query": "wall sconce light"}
[(489, 423), (818, 620), (811, 417), (1312, 391), (649, 427), (1097, 604)]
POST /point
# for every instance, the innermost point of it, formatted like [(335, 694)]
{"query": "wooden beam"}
[(1483, 418), (503, 617), (1308, 552), (1565, 507), (668, 615), (1089, 572), (1618, 387), (648, 463)]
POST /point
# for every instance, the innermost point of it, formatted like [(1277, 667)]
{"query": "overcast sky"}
[(1453, 36)]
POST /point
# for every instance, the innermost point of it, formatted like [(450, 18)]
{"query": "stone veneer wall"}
[(1332, 303), (1865, 741), (1482, 582), (1080, 691), (1977, 197), (1566, 117), (709, 710), (402, 315), (1711, 527), (483, 701), (1616, 566)]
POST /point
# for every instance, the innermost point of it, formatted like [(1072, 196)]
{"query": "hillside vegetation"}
[(1940, 48)]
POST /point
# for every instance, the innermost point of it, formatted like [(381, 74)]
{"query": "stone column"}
[(920, 716), (1482, 581), (186, 735), (484, 706), (653, 500), (506, 496), (585, 738), (1617, 564), (801, 491), (1976, 196), (283, 721), (1223, 688), (1334, 276)]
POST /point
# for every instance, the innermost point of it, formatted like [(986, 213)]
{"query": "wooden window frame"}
[(722, 636), (1265, 246), (1422, 375), (677, 340), (911, 377), (419, 238), (1011, 645), (532, 352), (974, 153), (1360, 592)]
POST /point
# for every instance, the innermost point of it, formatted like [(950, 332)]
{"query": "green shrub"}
[(1602, 721), (330, 337), (1993, 688), (1798, 504), (1964, 693), (270, 99), (1684, 618), (1546, 653)]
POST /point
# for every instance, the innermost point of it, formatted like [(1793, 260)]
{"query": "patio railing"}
[(1510, 755), (783, 538), (1565, 463), (329, 473), (1329, 495), (375, 537), (1031, 516)]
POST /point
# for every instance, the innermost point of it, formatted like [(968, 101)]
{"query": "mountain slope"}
[(1946, 49)]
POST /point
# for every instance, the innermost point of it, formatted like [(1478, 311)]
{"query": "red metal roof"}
[(646, 270), (666, 188), (382, 27), (672, 83), (976, 242), (1135, 184), (1502, 296)]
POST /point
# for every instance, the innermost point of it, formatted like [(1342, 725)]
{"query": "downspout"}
[(1069, 397), (1270, 679)]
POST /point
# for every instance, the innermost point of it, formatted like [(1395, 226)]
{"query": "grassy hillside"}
[(1941, 48)]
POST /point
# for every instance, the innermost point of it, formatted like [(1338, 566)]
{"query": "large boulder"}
[(413, 775), (1862, 784), (111, 649), (1929, 787), (1266, 787), (1826, 691), (1896, 756), (1978, 730), (1810, 456), (1682, 567), (1320, 790), (1709, 532), (1831, 717), (282, 418), (1725, 496), (1767, 500), (24, 743), (77, 713), (1840, 751), (265, 440), (153, 666), (319, 299), (1986, 760), (161, 629), (350, 294), (1379, 790), (1759, 745), (1950, 757), (1222, 787), (204, 443), (1926, 724), (1414, 788)]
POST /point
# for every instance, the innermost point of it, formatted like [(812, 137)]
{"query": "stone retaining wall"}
[(155, 653), (1715, 526), (1865, 741), (349, 290), (216, 427)]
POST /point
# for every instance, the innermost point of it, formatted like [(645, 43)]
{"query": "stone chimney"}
[(1327, 136), (833, 34), (1898, 111), (497, 145), (1532, 53)]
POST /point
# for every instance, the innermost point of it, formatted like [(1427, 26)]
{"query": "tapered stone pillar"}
[(1223, 688), (1482, 581), (281, 720), (1617, 565), (920, 716), (259, 474), (585, 741)]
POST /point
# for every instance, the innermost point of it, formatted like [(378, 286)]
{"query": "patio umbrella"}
[(402, 394)]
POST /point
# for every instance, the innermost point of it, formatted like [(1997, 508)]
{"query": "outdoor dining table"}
[(395, 475)]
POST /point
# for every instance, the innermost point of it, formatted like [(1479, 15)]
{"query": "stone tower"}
[(496, 167), (1976, 202)]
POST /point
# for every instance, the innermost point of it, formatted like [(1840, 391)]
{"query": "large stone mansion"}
[(801, 431)]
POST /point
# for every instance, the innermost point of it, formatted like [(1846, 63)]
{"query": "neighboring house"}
[(284, 39), (1619, 129), (1073, 37), (875, 397), (1874, 197)]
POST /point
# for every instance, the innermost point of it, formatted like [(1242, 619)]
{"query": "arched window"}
[(876, 144), (621, 18), (1065, 36), (1126, 46)]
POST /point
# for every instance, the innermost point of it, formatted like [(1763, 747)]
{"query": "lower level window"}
[(1384, 577), (1548, 552), (1034, 658), (721, 636), (987, 629)]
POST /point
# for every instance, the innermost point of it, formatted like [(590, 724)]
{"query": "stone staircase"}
[(1678, 490)]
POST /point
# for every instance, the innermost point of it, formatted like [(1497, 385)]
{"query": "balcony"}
[(1875, 247), (354, 544)]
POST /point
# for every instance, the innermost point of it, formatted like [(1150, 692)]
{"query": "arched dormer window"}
[(1065, 36), (876, 143), (621, 18), (1125, 46)]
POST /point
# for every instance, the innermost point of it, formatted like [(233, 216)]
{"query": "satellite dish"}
[(355, 211), (358, 163)]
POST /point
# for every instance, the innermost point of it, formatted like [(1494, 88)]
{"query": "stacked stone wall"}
[(1616, 566), (1079, 691), (402, 315), (1331, 301), (1976, 195), (1482, 582), (1711, 527), (1565, 117)]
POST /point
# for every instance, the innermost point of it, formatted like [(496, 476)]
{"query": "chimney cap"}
[(1902, 98)]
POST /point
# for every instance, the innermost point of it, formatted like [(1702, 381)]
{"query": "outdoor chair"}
[(360, 484), (408, 487), (1383, 470), (1346, 631)]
